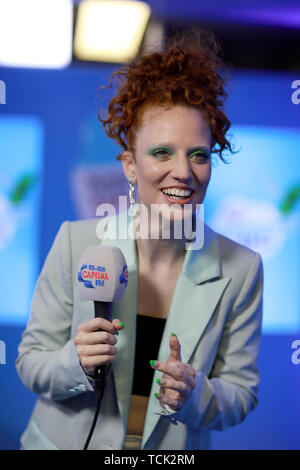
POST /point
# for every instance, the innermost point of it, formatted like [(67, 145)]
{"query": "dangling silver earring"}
[(131, 198)]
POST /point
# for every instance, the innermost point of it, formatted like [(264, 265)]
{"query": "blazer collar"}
[(204, 264)]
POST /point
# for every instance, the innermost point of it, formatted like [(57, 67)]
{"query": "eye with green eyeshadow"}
[(199, 156), (162, 152)]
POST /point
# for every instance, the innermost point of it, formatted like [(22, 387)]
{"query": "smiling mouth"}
[(176, 194)]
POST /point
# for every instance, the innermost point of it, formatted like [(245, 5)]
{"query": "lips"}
[(177, 194)]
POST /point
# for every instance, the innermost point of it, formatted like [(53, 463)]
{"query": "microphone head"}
[(102, 273)]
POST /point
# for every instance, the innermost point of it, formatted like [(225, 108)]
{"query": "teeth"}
[(177, 192)]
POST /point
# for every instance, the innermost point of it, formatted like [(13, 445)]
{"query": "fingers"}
[(97, 337), (180, 386), (88, 332), (95, 342), (97, 349), (175, 392), (89, 363), (174, 369), (175, 354), (117, 324), (177, 380), (174, 358), (96, 324), (175, 403)]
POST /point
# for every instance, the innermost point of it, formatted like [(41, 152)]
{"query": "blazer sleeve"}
[(230, 392), (47, 361)]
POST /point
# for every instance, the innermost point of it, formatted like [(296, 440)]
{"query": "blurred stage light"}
[(110, 31), (36, 33)]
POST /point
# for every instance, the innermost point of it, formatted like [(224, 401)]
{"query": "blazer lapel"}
[(194, 302)]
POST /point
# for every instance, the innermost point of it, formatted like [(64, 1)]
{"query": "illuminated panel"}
[(36, 33), (21, 142), (110, 31), (256, 201)]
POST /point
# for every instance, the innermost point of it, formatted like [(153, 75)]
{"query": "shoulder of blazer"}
[(232, 252), (83, 234), (243, 265)]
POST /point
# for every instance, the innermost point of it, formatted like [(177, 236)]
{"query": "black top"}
[(149, 331)]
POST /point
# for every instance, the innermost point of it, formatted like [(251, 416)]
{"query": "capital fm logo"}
[(93, 276), (124, 276)]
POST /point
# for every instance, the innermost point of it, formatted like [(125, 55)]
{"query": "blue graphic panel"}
[(255, 200), (21, 149)]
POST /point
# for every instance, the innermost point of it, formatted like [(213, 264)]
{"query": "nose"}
[(181, 169)]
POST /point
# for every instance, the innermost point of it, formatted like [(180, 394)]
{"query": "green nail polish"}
[(158, 381), (156, 395), (152, 363), (173, 334), (122, 324)]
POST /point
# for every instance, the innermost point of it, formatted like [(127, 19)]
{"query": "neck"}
[(169, 252), (163, 242)]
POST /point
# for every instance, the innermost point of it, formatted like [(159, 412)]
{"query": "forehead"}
[(173, 124)]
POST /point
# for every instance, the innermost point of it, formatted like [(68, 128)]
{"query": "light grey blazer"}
[(216, 312)]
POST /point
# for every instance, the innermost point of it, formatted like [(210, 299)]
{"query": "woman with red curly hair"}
[(185, 362)]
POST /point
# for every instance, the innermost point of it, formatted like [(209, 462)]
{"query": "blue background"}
[(21, 141), (59, 107)]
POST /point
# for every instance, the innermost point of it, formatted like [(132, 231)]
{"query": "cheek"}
[(208, 176), (204, 176), (203, 180), (149, 173)]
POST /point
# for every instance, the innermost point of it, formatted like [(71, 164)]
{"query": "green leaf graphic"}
[(22, 188), (290, 200)]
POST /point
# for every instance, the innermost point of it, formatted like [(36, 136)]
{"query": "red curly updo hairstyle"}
[(185, 73)]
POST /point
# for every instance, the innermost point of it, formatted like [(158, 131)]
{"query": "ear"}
[(129, 166)]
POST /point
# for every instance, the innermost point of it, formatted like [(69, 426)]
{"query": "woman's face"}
[(171, 161)]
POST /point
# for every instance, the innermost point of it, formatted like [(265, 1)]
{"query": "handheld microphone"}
[(102, 278)]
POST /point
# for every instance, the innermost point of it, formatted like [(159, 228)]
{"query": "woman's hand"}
[(177, 381), (94, 347)]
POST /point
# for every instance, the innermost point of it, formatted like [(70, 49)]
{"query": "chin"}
[(174, 218), (165, 218)]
